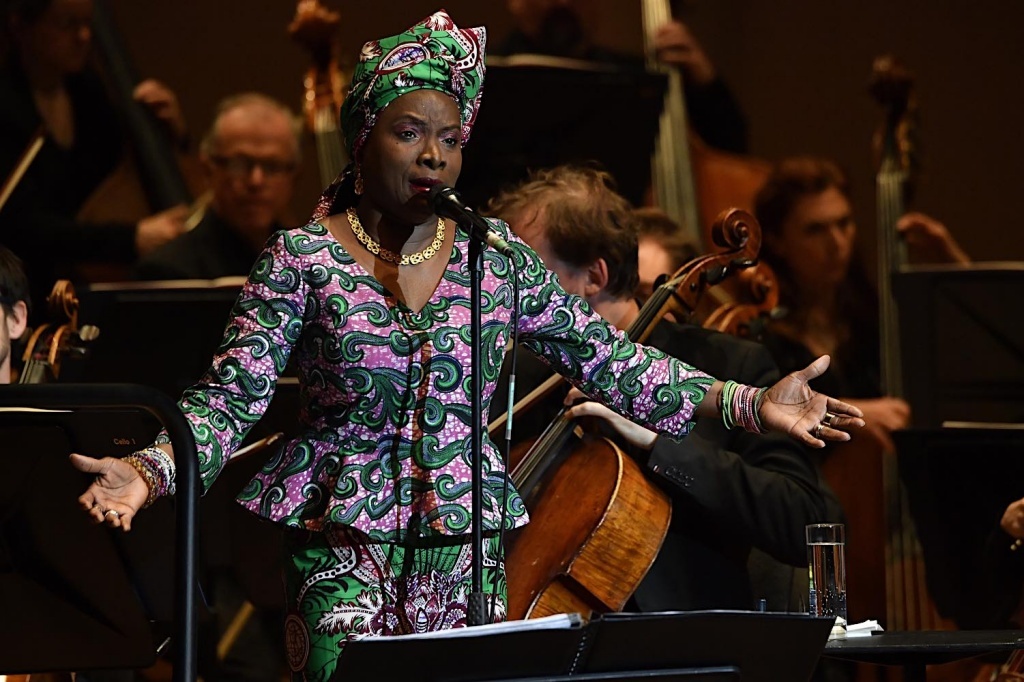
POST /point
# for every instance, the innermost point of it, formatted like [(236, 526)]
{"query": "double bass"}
[(693, 183), (909, 605), (315, 27), (155, 176), (597, 521)]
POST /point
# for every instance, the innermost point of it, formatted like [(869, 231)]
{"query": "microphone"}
[(447, 204)]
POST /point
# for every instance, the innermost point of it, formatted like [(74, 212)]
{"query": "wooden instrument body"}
[(597, 515)]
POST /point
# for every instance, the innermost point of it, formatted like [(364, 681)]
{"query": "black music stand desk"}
[(517, 132), (704, 646), (70, 597), (916, 650)]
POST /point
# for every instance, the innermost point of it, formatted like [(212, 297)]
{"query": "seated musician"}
[(810, 240), (45, 82), (731, 491), (250, 158), (14, 306)]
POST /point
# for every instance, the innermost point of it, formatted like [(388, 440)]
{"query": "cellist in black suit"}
[(731, 491)]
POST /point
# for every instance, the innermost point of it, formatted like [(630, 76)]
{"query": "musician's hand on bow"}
[(793, 408), (116, 494), (158, 229), (631, 432)]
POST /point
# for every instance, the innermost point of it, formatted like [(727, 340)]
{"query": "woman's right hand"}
[(117, 492)]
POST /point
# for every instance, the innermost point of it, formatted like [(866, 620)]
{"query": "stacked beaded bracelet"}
[(740, 405), (157, 469)]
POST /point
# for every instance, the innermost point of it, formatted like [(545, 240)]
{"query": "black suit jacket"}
[(211, 250), (731, 491)]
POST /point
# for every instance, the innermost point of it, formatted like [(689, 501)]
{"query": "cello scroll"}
[(50, 343)]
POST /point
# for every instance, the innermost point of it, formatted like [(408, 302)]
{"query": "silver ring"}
[(116, 514), (818, 428), (829, 416)]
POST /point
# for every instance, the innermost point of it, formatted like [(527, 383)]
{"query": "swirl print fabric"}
[(385, 416)]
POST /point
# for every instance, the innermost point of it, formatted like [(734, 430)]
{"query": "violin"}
[(316, 28), (597, 522), (50, 343)]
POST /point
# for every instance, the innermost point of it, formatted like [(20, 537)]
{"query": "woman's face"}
[(416, 144), (816, 242), (60, 39)]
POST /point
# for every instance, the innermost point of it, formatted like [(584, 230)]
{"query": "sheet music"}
[(559, 621)]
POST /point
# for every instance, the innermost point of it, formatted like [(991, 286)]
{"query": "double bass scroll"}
[(315, 27)]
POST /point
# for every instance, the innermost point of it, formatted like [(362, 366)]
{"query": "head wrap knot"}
[(434, 54)]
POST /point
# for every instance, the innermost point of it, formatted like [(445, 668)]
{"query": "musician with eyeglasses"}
[(250, 158)]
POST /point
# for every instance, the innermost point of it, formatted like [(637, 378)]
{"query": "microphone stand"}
[(477, 610)]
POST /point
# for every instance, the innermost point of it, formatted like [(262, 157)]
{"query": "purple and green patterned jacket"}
[(385, 390)]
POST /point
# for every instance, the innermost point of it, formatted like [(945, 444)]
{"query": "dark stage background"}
[(799, 68)]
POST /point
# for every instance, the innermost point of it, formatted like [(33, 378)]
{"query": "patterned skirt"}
[(340, 586)]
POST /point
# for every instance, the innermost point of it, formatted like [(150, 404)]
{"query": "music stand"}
[(956, 507), (961, 346), (163, 334), (159, 334), (699, 645), (764, 646), (65, 592), (66, 585), (603, 113)]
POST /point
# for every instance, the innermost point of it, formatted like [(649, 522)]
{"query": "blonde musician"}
[(731, 492)]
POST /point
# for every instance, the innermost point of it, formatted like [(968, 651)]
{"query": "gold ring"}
[(829, 416)]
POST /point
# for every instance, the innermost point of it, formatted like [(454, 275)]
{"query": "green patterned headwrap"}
[(435, 54)]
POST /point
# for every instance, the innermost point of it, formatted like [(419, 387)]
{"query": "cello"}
[(592, 558), (49, 343)]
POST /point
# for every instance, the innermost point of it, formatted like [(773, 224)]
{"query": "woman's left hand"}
[(793, 408)]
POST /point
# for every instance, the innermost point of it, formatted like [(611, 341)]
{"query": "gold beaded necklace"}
[(390, 256)]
